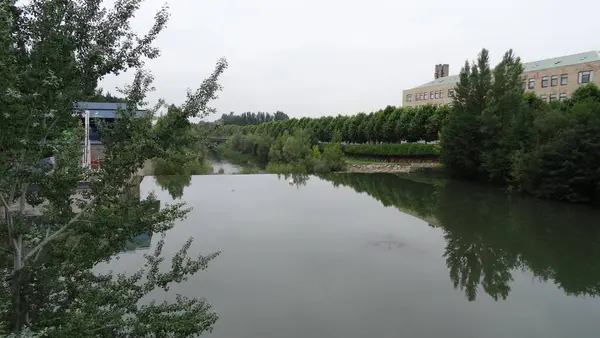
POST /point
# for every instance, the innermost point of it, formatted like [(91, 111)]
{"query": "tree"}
[(461, 136), (404, 128), (54, 53), (418, 123), (563, 159), (101, 96), (297, 147), (385, 125), (503, 113)]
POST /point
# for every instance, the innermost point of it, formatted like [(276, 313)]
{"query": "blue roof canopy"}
[(103, 110)]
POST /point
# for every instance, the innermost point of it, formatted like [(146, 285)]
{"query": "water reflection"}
[(174, 178), (490, 235), (299, 180), (223, 167), (173, 184), (132, 195)]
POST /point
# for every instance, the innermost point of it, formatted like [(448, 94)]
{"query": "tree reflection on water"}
[(490, 235), (174, 178)]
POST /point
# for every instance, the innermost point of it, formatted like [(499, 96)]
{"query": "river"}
[(380, 255)]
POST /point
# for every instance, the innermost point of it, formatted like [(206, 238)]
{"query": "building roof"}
[(103, 110), (562, 61), (441, 81)]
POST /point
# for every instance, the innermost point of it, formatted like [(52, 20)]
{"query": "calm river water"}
[(377, 255)]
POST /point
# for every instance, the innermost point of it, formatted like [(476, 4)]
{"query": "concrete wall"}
[(97, 152)]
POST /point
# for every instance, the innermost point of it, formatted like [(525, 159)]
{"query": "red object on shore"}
[(94, 165)]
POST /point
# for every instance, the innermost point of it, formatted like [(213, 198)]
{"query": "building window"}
[(431, 95), (562, 96), (425, 96), (564, 79), (554, 81), (531, 83), (524, 85), (441, 94), (408, 97), (544, 97), (552, 97), (585, 77), (450, 92), (437, 94), (544, 81)]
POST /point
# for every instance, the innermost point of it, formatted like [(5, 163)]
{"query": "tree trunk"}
[(17, 315)]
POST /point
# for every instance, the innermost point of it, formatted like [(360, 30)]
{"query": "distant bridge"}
[(218, 140)]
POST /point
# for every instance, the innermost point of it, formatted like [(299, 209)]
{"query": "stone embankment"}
[(387, 167)]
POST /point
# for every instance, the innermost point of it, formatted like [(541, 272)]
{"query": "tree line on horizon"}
[(389, 125), (250, 118)]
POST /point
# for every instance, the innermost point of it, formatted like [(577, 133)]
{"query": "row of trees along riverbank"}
[(493, 132), (389, 125), (376, 134)]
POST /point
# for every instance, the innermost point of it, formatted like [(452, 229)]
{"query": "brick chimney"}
[(441, 70)]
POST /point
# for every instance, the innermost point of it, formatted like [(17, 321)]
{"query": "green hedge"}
[(393, 149)]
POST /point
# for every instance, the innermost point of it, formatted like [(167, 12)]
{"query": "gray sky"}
[(314, 58)]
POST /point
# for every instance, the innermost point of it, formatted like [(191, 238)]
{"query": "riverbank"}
[(387, 167)]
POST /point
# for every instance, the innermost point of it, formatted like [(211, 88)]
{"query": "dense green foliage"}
[(389, 125), (101, 96), (249, 118), (498, 134), (490, 235), (401, 150), (297, 153), (52, 233)]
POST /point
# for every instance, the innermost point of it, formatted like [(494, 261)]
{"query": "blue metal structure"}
[(100, 111)]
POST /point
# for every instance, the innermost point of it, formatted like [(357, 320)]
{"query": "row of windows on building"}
[(432, 95), (554, 97), (546, 98), (552, 81), (584, 77)]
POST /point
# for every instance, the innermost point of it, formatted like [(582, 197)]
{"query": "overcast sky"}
[(314, 58)]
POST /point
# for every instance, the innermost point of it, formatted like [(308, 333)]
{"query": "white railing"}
[(87, 146)]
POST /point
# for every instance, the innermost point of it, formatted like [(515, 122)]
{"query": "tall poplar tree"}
[(54, 53), (502, 119), (461, 136)]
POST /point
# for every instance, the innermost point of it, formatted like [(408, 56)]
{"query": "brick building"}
[(551, 79)]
